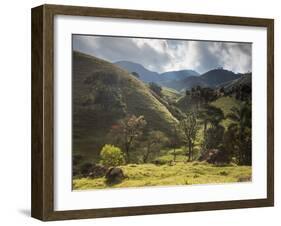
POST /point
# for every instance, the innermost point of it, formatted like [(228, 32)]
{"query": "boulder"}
[(114, 175)]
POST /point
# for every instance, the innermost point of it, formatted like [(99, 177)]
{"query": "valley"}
[(171, 128)]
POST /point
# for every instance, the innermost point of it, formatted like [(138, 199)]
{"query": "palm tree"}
[(211, 115), (213, 134), (241, 129)]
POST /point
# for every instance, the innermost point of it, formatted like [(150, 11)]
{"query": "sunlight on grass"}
[(177, 174), (226, 103)]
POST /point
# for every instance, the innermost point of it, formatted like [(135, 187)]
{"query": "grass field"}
[(178, 174)]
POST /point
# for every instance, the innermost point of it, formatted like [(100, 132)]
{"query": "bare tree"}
[(153, 144), (129, 130)]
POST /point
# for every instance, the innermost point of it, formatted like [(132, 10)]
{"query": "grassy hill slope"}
[(103, 94), (225, 104)]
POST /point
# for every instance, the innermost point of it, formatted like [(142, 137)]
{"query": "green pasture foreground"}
[(139, 175)]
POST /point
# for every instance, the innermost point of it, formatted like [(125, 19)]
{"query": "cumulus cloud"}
[(162, 55)]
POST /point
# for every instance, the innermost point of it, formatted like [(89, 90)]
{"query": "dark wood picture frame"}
[(42, 112)]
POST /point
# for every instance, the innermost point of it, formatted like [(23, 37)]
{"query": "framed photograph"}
[(141, 112)]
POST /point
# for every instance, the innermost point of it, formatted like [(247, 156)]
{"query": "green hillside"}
[(103, 94), (245, 79), (225, 104), (170, 95)]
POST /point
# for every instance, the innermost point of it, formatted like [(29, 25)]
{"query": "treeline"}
[(201, 134)]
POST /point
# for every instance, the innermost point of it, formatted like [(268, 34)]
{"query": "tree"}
[(207, 95), (241, 133), (213, 135), (189, 129), (222, 92), (154, 142), (128, 131), (210, 115), (246, 92), (155, 88), (216, 115), (111, 156), (135, 74), (175, 140), (187, 93)]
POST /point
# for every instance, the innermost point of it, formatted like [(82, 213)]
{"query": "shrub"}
[(86, 168), (111, 156), (223, 173)]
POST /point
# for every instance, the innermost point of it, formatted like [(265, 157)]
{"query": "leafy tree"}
[(210, 115), (111, 156), (175, 140), (155, 88), (213, 135), (241, 132), (216, 115), (154, 142), (246, 92), (189, 129), (207, 95), (135, 74), (187, 93)]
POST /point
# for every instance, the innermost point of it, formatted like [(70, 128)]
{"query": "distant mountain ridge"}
[(145, 74), (179, 75), (151, 76), (182, 79), (217, 76)]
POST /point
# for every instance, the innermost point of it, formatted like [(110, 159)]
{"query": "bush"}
[(223, 173), (111, 156), (86, 168)]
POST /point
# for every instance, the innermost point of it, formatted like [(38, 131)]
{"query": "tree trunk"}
[(174, 154), (189, 150), (205, 126), (127, 150), (146, 155), (191, 155)]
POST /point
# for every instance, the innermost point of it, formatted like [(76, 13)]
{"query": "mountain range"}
[(151, 76), (182, 79)]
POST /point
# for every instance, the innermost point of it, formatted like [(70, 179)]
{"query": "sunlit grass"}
[(179, 173), (225, 104)]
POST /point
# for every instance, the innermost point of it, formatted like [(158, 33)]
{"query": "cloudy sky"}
[(163, 55)]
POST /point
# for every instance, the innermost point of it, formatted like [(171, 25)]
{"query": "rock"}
[(114, 175)]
